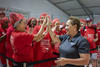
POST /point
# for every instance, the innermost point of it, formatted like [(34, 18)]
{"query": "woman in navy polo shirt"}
[(74, 49)]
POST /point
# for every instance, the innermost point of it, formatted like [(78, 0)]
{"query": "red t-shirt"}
[(43, 49), (98, 32), (9, 49), (2, 47), (22, 46), (35, 44), (90, 34)]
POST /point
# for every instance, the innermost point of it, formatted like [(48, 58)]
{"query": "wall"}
[(34, 7), (96, 18)]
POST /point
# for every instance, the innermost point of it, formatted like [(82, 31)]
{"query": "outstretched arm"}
[(40, 34), (54, 37)]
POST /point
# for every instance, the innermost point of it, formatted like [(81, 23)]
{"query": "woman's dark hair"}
[(75, 21)]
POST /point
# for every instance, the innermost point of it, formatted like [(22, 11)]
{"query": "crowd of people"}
[(74, 43), (91, 32)]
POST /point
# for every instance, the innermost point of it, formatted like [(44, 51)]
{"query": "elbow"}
[(86, 62), (86, 59)]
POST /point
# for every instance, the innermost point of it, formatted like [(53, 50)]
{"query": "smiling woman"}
[(72, 26), (74, 49)]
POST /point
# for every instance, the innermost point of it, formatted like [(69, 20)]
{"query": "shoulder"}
[(22, 36), (83, 45), (82, 41), (63, 38), (19, 34)]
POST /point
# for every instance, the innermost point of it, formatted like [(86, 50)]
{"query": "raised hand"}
[(48, 25), (48, 22), (45, 21)]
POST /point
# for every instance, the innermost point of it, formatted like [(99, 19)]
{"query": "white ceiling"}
[(73, 7)]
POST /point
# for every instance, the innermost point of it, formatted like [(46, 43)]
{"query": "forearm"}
[(53, 36), (42, 27), (41, 30), (78, 62), (38, 35), (41, 37)]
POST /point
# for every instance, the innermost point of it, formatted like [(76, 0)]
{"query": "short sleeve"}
[(63, 38), (83, 46)]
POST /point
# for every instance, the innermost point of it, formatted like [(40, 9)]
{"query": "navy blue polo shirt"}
[(72, 48)]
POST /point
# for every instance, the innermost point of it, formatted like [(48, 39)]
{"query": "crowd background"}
[(43, 47)]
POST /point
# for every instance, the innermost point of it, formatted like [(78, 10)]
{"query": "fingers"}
[(48, 23), (58, 60), (44, 21)]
